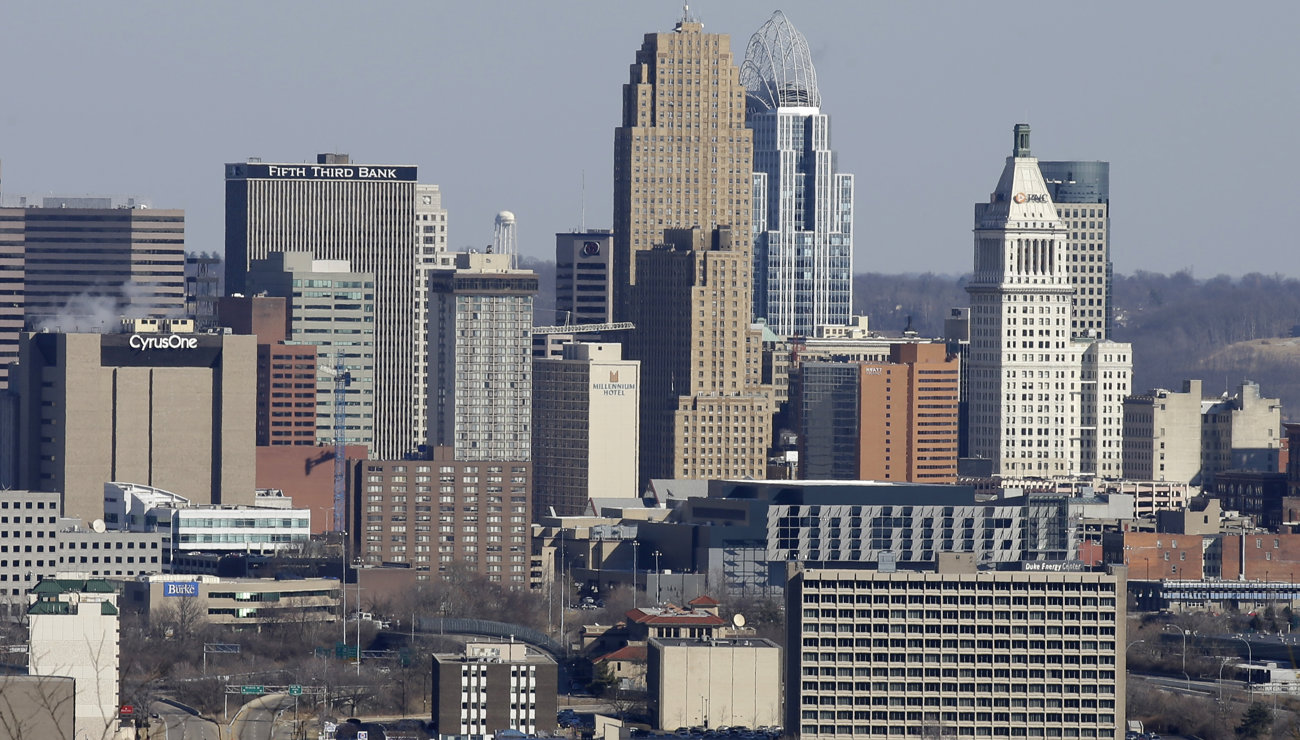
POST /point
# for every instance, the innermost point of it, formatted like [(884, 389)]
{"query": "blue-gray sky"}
[(506, 104)]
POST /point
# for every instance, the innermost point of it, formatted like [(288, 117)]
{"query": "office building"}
[(585, 430), (803, 207), (240, 602), (12, 287), (955, 651), (159, 405), (478, 518), (714, 683), (1240, 431), (892, 421), (494, 687), (305, 474), (91, 551), (743, 532), (683, 259), (1081, 193), (584, 280), (1041, 403), (332, 309), (480, 375), (205, 280), (79, 264), (188, 526), (73, 631), (286, 373), (90, 261), (339, 210), (1162, 435), (29, 551)]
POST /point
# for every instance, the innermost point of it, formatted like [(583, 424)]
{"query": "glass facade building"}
[(802, 207)]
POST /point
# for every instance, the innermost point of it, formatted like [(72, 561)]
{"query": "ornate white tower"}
[(1024, 383)]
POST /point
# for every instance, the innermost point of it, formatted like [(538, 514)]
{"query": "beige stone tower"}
[(682, 173)]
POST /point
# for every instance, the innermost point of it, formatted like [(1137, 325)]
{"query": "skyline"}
[(1157, 94)]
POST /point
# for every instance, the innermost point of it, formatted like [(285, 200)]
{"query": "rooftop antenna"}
[(584, 202)]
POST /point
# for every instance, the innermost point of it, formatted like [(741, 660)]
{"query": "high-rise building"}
[(480, 377), (1081, 192), (585, 431), (332, 309), (167, 408), (803, 207), (1041, 403), (205, 279), (12, 288), (91, 261), (583, 277), (1044, 655), (682, 258), (889, 421), (338, 210), (431, 246), (286, 373)]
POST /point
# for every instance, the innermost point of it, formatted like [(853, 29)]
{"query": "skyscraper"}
[(1041, 403), (331, 308), (803, 208), (338, 210), (682, 258), (1081, 192), (480, 377)]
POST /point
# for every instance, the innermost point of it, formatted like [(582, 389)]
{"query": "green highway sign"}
[(295, 690), (252, 689)]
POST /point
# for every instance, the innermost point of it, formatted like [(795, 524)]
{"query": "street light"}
[(659, 575), (1186, 678), (1222, 662), (1250, 671)]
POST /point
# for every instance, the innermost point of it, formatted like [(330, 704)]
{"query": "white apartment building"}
[(1041, 403), (955, 652), (73, 631)]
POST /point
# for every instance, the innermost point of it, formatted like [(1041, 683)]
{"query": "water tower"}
[(503, 239)]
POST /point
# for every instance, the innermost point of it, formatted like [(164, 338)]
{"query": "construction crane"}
[(342, 379)]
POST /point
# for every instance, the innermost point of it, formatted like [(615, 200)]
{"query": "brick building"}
[(432, 514)]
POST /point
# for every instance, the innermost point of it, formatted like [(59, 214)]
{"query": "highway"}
[(256, 719), (181, 725)]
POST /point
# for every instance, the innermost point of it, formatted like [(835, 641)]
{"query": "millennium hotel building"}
[(338, 210)]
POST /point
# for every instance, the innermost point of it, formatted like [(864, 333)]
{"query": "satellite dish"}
[(738, 620), (98, 526)]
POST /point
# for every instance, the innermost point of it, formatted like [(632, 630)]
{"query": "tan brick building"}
[(173, 410), (682, 263)]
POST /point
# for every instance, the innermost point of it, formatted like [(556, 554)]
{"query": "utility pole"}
[(636, 544)]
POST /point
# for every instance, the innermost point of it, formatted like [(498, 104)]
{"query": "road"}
[(256, 718), (182, 725)]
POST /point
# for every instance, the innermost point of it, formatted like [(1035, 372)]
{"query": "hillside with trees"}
[(1222, 330)]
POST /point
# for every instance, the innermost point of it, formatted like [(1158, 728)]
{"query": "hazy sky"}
[(505, 104)]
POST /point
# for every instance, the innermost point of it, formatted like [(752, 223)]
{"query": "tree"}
[(1255, 722)]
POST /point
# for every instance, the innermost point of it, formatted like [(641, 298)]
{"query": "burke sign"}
[(181, 588)]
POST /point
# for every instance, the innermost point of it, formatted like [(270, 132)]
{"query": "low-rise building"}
[(713, 683), (493, 687), (138, 508), (236, 601)]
